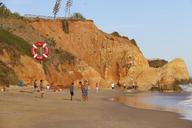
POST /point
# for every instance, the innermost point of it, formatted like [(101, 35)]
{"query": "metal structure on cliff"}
[(68, 6), (56, 8)]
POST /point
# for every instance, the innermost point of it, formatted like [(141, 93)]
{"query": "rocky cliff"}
[(87, 53), (157, 63)]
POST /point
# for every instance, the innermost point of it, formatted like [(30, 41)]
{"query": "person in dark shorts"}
[(41, 88), (71, 88), (86, 93), (82, 90), (86, 89), (35, 84)]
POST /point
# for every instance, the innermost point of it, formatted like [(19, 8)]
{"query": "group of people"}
[(40, 87), (83, 87), (84, 90)]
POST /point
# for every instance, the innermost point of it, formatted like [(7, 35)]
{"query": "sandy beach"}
[(23, 108)]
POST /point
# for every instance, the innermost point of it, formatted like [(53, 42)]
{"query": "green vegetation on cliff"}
[(77, 16), (15, 41), (5, 12), (7, 75), (15, 46), (116, 34), (157, 63), (59, 57)]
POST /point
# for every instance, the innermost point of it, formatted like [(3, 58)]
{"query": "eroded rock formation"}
[(99, 57)]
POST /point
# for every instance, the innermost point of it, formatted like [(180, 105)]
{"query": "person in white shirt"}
[(112, 86), (97, 87)]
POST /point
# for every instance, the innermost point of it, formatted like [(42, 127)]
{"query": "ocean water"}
[(174, 102), (180, 103)]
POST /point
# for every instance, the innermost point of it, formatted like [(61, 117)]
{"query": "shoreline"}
[(23, 109), (172, 102)]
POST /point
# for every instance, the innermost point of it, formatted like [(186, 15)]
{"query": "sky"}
[(161, 28)]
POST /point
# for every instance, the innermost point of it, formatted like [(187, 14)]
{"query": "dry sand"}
[(23, 108)]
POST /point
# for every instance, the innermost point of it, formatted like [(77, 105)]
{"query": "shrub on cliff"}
[(77, 16), (5, 12), (12, 40), (51, 42), (7, 75), (64, 56), (182, 82), (134, 43), (58, 57), (116, 34), (157, 63)]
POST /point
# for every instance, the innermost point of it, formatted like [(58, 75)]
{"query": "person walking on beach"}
[(41, 88), (86, 89), (71, 88), (97, 87), (35, 85), (82, 90)]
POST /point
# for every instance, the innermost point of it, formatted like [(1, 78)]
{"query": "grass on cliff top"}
[(15, 41), (5, 12)]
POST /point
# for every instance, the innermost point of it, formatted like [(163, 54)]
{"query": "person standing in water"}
[(41, 88), (71, 88)]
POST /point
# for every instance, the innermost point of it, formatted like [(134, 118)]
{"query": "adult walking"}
[(86, 89), (41, 88), (71, 88), (86, 92), (97, 87), (35, 85), (82, 90)]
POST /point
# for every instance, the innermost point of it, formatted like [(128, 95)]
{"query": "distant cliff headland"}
[(79, 51)]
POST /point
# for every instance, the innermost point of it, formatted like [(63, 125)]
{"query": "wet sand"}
[(25, 109), (141, 101)]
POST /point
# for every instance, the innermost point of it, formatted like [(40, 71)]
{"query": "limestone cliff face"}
[(148, 78), (99, 57), (174, 71), (165, 77), (28, 69), (114, 58)]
